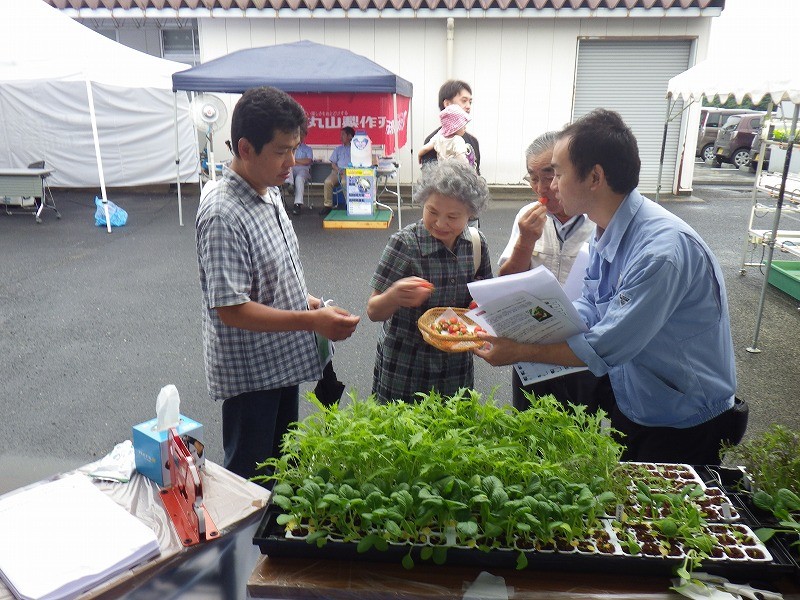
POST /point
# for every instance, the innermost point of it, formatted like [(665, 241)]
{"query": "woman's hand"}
[(410, 291), (406, 292)]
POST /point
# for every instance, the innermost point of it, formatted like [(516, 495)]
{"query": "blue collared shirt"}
[(655, 303), (341, 156)]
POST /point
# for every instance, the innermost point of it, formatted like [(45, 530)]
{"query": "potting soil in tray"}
[(736, 551), (737, 485), (624, 541)]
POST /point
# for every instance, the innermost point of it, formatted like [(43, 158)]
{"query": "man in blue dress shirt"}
[(653, 298)]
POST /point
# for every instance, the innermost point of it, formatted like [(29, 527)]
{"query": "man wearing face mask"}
[(543, 234)]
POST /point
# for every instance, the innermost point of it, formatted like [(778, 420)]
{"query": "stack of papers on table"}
[(64, 537)]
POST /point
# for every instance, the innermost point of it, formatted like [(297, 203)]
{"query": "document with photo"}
[(529, 307)]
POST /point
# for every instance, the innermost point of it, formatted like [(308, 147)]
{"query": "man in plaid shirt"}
[(259, 319)]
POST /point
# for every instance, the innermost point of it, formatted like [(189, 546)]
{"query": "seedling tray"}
[(273, 540), (736, 484)]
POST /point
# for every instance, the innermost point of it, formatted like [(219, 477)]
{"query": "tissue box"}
[(150, 448)]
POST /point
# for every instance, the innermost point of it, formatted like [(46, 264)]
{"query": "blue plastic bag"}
[(117, 215)]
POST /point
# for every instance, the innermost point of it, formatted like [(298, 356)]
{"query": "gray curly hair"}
[(455, 179)]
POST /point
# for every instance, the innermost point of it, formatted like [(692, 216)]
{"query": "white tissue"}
[(168, 406), (117, 465), (487, 587)]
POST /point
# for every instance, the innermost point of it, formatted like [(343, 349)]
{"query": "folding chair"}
[(287, 193), (319, 173)]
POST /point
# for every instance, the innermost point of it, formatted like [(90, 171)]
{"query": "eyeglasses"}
[(546, 179)]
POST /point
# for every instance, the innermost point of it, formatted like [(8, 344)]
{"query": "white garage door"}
[(630, 77)]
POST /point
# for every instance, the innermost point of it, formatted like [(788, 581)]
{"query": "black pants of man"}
[(253, 425), (698, 445)]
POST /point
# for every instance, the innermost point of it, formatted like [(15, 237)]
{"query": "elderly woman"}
[(428, 264)]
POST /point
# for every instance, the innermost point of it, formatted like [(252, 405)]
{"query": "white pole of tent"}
[(178, 161), (771, 242), (663, 146), (397, 153), (759, 169), (93, 118)]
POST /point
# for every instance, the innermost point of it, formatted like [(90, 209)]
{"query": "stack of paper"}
[(529, 307), (62, 538)]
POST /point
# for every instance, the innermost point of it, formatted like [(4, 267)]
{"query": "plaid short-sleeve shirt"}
[(404, 363), (247, 251)]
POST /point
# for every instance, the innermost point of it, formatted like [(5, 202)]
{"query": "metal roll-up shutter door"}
[(630, 77)]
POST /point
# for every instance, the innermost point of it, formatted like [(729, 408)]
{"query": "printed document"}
[(529, 307), (65, 537)]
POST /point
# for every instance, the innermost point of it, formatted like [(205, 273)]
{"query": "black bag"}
[(737, 423), (329, 389)]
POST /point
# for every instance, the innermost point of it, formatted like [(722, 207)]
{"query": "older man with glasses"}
[(543, 234)]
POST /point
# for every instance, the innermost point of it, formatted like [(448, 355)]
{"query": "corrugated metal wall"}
[(630, 77)]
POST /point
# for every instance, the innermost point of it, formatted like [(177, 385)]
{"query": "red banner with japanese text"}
[(373, 113)]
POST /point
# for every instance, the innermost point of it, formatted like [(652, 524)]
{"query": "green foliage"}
[(772, 459), (785, 505), (445, 472), (460, 471)]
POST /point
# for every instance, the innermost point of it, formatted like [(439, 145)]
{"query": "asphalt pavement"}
[(92, 324)]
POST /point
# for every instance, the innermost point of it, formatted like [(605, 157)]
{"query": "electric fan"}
[(209, 115)]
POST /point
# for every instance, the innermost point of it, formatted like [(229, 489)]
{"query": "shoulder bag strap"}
[(476, 248)]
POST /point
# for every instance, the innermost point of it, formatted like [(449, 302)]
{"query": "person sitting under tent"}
[(301, 172), (340, 159)]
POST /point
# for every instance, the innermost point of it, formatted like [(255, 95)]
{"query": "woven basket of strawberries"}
[(449, 329)]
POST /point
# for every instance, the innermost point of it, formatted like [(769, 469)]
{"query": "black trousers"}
[(698, 445), (253, 425)]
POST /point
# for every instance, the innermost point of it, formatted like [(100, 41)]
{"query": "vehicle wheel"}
[(741, 158), (707, 153)]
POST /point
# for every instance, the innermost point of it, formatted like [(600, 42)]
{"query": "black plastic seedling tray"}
[(272, 540)]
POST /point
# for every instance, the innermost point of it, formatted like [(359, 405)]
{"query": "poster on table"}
[(360, 186), (373, 113)]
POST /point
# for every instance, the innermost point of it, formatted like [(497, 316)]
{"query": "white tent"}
[(756, 77), (97, 112)]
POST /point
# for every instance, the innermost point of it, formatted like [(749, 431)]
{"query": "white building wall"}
[(522, 70)]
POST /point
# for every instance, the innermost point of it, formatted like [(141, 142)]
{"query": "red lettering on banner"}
[(373, 113)]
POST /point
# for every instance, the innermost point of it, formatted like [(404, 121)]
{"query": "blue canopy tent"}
[(298, 67)]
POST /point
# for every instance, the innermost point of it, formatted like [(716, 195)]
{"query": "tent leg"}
[(178, 161), (663, 146), (754, 195), (93, 118), (775, 224), (397, 151)]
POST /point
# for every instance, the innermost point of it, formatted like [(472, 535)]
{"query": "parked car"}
[(777, 131), (711, 118), (735, 137)]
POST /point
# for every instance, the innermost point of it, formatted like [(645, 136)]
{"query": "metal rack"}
[(785, 188)]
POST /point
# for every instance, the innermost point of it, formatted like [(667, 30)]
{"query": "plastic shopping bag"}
[(116, 215)]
